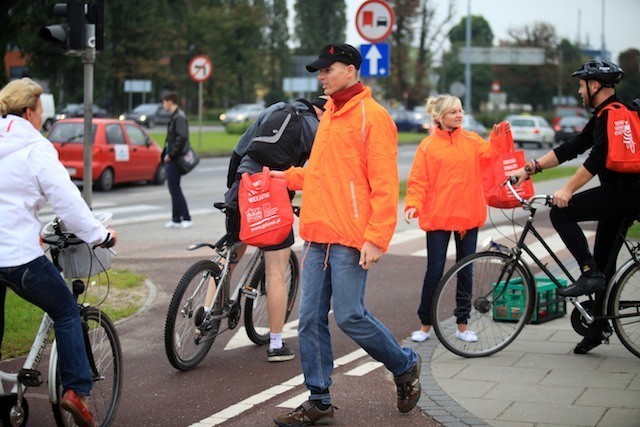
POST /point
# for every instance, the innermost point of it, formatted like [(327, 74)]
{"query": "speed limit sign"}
[(200, 68)]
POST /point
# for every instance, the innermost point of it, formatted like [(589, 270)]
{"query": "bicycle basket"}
[(81, 260)]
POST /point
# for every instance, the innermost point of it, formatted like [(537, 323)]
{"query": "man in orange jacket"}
[(347, 219)]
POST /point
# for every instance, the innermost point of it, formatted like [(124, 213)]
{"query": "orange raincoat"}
[(350, 185), (445, 182)]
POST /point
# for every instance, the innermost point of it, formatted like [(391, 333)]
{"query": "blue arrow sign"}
[(375, 60)]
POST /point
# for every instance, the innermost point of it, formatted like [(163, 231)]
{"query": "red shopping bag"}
[(497, 168), (266, 214)]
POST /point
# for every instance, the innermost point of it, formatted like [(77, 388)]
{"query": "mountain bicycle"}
[(190, 331), (503, 295), (74, 258)]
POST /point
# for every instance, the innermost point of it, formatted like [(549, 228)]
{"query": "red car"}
[(122, 152)]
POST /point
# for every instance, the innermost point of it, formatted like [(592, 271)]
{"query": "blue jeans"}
[(437, 243), (344, 280), (179, 208), (40, 283)]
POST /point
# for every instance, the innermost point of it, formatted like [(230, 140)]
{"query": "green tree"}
[(318, 23), (629, 88), (277, 61), (453, 70)]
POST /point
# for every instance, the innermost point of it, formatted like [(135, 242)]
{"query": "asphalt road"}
[(236, 374)]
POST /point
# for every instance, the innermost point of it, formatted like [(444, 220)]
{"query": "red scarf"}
[(342, 96)]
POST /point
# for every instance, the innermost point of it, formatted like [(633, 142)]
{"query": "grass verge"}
[(127, 293)]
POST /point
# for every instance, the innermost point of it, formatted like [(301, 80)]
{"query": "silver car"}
[(241, 113), (533, 129)]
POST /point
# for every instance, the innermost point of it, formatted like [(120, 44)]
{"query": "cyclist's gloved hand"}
[(111, 239)]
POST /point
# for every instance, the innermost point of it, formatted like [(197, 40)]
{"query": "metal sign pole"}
[(88, 59), (200, 115)]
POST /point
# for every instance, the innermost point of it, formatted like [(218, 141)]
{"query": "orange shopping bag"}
[(496, 169), (266, 214)]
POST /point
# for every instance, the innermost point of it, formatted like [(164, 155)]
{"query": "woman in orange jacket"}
[(444, 191)]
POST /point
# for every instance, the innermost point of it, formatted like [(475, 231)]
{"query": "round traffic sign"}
[(200, 68), (375, 20)]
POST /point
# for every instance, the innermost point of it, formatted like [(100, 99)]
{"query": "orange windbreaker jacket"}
[(445, 182), (350, 184)]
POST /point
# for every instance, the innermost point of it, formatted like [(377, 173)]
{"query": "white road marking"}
[(364, 369), (248, 403)]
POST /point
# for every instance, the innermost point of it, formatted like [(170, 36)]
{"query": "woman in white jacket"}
[(30, 176)]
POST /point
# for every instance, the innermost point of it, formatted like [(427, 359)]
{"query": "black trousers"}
[(614, 209)]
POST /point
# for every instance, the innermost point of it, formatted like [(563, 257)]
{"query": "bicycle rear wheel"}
[(106, 366), (185, 343), (256, 316), (625, 301), (495, 312)]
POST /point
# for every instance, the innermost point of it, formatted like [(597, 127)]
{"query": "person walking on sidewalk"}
[(176, 144), (276, 257), (611, 204), (348, 216), (444, 190)]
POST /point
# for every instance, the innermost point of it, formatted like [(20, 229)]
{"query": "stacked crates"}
[(508, 305)]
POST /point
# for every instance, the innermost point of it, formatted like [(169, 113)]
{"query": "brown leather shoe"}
[(307, 414), (408, 385), (78, 408)]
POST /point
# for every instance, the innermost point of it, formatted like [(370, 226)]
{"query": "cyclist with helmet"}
[(611, 204)]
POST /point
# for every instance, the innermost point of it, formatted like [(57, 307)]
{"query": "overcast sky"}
[(570, 18)]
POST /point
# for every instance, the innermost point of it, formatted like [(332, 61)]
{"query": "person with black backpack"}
[(281, 137), (613, 203)]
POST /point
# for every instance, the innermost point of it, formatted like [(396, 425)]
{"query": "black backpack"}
[(276, 143)]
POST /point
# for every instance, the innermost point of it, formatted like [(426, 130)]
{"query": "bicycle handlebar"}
[(545, 198)]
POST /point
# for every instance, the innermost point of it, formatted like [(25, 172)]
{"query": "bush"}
[(237, 128)]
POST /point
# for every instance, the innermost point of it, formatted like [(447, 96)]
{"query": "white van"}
[(48, 110)]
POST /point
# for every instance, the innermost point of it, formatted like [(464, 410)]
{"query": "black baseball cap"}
[(331, 53)]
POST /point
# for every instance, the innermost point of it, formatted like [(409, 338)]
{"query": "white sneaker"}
[(172, 224), (420, 336), (186, 224), (467, 336)]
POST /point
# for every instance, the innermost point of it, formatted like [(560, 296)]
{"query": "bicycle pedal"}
[(30, 377), (250, 292)]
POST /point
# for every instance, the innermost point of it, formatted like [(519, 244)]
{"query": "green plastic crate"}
[(509, 305)]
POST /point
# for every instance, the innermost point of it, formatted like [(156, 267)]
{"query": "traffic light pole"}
[(88, 59)]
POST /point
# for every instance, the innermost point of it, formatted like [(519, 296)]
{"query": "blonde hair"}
[(438, 105), (18, 95)]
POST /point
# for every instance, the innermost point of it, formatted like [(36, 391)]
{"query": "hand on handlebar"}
[(520, 176), (562, 198), (113, 239)]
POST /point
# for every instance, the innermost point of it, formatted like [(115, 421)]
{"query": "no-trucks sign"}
[(374, 20)]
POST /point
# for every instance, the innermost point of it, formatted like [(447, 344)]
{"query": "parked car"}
[(148, 115), (48, 110), (533, 129), (470, 123), (241, 113), (561, 112), (407, 121), (423, 118), (122, 152), (569, 126), (77, 110)]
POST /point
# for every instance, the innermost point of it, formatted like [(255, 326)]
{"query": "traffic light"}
[(95, 16), (69, 36)]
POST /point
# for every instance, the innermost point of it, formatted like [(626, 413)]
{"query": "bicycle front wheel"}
[(186, 342), (474, 292), (256, 316), (105, 361), (624, 304)]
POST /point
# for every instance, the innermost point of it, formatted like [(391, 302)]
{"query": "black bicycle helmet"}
[(601, 70)]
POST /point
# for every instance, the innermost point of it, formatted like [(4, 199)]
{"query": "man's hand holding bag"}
[(266, 214)]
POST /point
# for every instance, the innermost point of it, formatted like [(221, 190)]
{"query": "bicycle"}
[(190, 332), (499, 276), (74, 259)]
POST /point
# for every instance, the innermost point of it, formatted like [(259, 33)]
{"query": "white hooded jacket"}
[(31, 175)]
